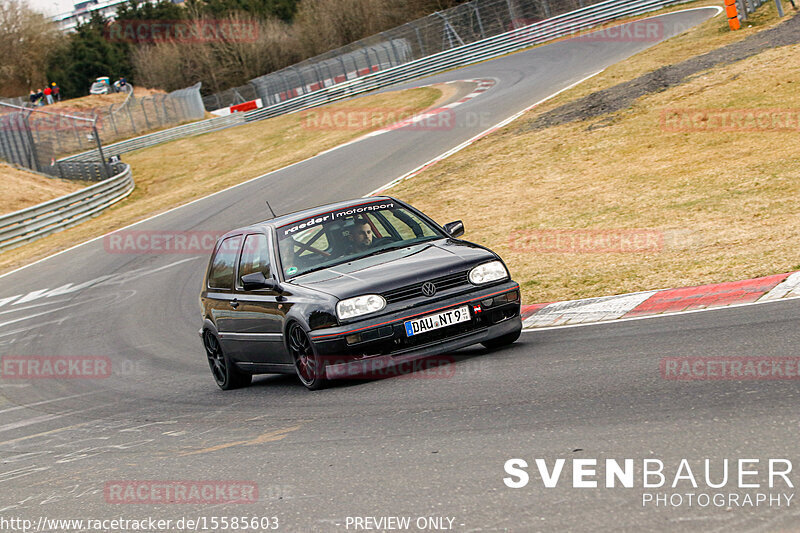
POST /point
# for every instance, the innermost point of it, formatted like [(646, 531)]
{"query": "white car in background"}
[(101, 85)]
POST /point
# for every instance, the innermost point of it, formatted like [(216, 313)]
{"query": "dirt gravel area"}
[(623, 95)]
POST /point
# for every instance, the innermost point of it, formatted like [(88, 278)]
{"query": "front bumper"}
[(382, 342)]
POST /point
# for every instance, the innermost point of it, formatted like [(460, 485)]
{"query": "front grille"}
[(415, 290)]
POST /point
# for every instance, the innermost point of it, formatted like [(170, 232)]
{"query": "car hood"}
[(394, 269)]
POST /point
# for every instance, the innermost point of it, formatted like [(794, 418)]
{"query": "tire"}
[(308, 366), (224, 371), (504, 340)]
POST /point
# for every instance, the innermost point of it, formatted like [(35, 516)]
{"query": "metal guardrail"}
[(158, 137), (511, 41), (49, 217), (81, 170)]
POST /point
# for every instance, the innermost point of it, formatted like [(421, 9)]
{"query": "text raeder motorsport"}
[(703, 483), (319, 219)]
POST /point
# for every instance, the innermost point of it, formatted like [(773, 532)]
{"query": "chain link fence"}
[(441, 31), (36, 138), (16, 100), (136, 116), (747, 7)]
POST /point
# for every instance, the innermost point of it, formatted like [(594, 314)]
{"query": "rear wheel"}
[(503, 340), (225, 373), (307, 364)]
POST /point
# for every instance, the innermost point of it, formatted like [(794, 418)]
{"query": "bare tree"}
[(26, 40), (256, 47)]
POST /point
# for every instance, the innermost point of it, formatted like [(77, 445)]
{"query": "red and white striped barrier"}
[(238, 108), (328, 82)]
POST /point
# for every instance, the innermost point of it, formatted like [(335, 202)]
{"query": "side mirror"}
[(257, 280), (454, 229)]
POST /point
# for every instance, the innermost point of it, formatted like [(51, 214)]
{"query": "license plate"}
[(437, 320)]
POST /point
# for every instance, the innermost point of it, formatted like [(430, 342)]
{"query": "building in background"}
[(82, 11)]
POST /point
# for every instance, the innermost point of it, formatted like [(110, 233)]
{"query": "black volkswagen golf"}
[(341, 289)]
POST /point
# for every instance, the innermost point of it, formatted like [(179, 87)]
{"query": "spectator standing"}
[(32, 97), (39, 97), (48, 94), (56, 91)]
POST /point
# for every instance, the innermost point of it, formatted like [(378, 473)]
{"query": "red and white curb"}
[(661, 302)]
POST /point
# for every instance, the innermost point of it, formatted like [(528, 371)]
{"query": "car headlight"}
[(360, 305), (491, 271)]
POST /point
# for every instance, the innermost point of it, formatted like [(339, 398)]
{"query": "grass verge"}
[(174, 173), (20, 189), (631, 202)]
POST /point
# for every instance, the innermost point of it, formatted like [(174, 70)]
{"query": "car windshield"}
[(334, 237)]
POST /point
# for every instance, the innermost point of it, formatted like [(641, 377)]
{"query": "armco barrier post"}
[(34, 155), (130, 116), (733, 14)]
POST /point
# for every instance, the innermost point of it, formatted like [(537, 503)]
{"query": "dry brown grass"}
[(700, 39), (723, 202), (20, 189), (175, 173)]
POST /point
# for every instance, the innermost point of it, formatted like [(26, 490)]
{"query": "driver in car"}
[(361, 236)]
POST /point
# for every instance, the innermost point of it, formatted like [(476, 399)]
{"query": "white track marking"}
[(423, 115), (661, 315), (70, 288), (54, 310), (587, 310), (26, 406), (4, 301), (790, 287), (31, 296), (35, 420), (472, 140)]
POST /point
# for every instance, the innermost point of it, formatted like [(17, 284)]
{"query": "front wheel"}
[(225, 373), (307, 364), (503, 340)]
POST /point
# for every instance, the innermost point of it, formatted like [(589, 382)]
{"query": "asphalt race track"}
[(430, 444)]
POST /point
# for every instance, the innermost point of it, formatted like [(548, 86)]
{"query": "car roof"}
[(297, 216)]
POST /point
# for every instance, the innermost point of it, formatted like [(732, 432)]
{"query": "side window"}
[(221, 275), (255, 256)]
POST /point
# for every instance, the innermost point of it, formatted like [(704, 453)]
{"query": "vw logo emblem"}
[(428, 289)]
